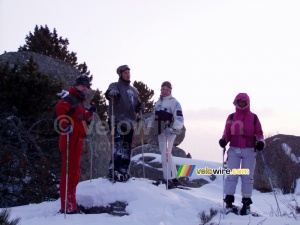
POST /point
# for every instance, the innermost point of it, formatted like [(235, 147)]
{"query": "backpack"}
[(74, 101)]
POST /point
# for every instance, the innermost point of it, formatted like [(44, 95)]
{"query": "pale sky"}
[(210, 50)]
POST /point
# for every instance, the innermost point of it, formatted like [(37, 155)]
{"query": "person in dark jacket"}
[(125, 103), (72, 117), (244, 132)]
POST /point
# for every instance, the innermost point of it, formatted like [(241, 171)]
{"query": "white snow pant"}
[(244, 158), (170, 171)]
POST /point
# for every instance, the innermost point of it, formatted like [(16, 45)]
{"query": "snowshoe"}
[(73, 212), (158, 182), (232, 209), (243, 211), (174, 183), (126, 177), (120, 177)]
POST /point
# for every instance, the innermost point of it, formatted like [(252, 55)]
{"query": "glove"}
[(142, 106), (92, 108), (169, 131), (113, 93), (260, 145), (68, 130), (222, 142)]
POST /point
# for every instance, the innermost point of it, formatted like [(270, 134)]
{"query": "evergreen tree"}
[(145, 95), (45, 42), (27, 92), (28, 141), (4, 218), (100, 101)]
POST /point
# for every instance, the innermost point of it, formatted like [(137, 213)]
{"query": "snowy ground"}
[(152, 205)]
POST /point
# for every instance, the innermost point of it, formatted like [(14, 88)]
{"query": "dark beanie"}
[(83, 80), (167, 84)]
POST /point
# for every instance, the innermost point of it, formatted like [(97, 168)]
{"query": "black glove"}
[(222, 142), (92, 108), (260, 145), (68, 130)]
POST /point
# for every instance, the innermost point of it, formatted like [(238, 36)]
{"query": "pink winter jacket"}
[(241, 131)]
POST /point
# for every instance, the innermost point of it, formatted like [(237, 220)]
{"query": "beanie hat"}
[(83, 80), (167, 84), (121, 69)]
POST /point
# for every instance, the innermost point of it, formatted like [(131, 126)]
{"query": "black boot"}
[(229, 199), (176, 182), (170, 184), (245, 210)]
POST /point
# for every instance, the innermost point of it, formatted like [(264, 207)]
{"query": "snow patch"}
[(288, 151)]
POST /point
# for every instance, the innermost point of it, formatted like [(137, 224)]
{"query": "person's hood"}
[(245, 97)]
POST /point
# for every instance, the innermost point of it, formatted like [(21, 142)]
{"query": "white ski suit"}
[(167, 113)]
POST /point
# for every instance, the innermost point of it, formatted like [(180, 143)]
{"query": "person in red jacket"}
[(72, 117)]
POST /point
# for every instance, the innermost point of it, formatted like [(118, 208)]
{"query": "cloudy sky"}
[(210, 50)]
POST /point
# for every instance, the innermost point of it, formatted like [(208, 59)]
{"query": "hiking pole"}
[(269, 177), (91, 166), (91, 147), (67, 173), (223, 155), (142, 140), (112, 139), (167, 160)]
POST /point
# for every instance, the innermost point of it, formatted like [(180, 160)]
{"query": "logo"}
[(185, 170)]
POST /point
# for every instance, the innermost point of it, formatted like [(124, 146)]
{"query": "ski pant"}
[(244, 158), (122, 150), (75, 148), (168, 165)]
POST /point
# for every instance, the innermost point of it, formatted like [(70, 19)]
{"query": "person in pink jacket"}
[(244, 134)]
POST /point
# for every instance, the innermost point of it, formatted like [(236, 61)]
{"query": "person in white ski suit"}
[(168, 122), (244, 132), (126, 102)]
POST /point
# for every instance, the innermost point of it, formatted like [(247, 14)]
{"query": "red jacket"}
[(78, 118)]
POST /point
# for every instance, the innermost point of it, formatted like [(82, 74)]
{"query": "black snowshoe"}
[(171, 184), (232, 209), (243, 211), (119, 177)]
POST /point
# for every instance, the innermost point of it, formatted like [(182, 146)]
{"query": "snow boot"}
[(119, 176), (245, 210), (176, 182), (230, 208), (170, 184), (173, 183)]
